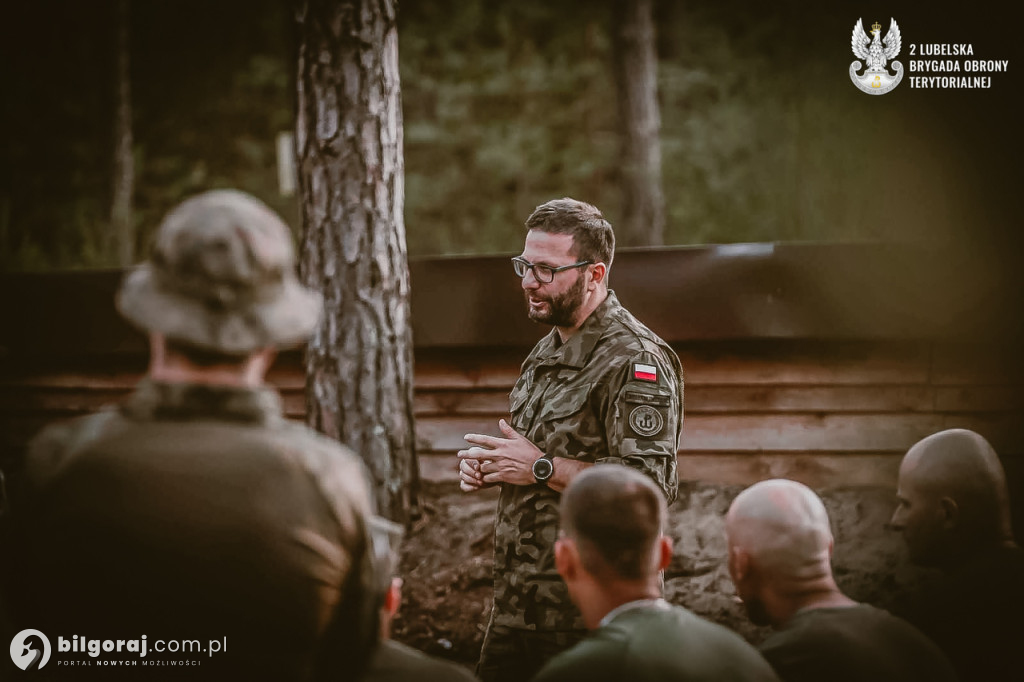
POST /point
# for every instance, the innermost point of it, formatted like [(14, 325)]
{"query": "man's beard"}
[(563, 308)]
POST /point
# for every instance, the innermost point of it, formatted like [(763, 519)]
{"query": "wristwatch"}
[(542, 469)]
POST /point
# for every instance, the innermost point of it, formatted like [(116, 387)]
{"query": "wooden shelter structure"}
[(821, 363)]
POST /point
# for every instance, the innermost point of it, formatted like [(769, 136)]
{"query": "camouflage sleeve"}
[(644, 419)]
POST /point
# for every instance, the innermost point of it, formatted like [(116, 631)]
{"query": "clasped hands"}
[(493, 460)]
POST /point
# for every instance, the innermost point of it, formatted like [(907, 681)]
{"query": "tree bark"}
[(636, 75), (121, 241), (359, 364)]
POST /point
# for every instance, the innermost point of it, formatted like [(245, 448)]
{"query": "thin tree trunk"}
[(636, 74), (121, 242), (351, 176)]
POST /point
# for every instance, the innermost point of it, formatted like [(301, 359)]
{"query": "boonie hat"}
[(222, 278)]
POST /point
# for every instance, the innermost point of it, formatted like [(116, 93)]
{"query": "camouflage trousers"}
[(516, 655)]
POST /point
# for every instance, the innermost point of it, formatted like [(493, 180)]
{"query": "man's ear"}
[(393, 597), (950, 512), (664, 552), (598, 273), (739, 564), (566, 558)]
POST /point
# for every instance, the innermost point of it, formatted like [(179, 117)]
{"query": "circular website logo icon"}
[(30, 650)]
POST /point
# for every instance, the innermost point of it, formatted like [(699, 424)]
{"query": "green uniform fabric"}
[(396, 662), (657, 643), (198, 511), (854, 644), (580, 400)]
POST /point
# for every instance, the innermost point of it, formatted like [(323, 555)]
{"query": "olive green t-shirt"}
[(854, 643), (657, 641)]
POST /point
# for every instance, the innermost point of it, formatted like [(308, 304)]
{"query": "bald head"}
[(780, 550), (953, 497), (783, 526), (956, 462), (615, 515)]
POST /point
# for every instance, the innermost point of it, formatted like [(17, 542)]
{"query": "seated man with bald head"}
[(611, 554), (780, 552), (954, 513)]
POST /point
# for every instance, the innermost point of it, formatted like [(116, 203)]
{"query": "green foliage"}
[(506, 104)]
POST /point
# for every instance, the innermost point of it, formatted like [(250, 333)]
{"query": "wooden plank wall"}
[(826, 413)]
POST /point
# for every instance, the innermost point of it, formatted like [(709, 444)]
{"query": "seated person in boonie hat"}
[(195, 510)]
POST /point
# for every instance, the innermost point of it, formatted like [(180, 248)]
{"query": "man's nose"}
[(530, 280)]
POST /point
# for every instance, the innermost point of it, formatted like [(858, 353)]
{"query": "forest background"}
[(507, 104)]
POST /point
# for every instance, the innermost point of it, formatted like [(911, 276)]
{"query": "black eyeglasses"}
[(545, 274)]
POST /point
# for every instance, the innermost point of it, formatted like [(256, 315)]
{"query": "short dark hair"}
[(204, 357), (615, 515), (592, 236)]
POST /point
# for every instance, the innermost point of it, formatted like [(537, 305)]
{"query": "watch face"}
[(542, 469)]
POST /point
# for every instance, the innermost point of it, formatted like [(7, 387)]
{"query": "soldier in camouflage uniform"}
[(195, 510), (599, 388)]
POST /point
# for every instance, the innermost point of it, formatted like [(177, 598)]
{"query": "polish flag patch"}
[(645, 372)]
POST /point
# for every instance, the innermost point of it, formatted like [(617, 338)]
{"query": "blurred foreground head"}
[(221, 279), (780, 549), (953, 499), (612, 547)]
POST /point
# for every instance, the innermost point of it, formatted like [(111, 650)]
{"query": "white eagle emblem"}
[(876, 51)]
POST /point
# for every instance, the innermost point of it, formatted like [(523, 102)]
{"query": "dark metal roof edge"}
[(735, 291)]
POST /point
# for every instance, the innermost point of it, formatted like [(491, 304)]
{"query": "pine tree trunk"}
[(121, 241), (636, 75), (359, 366)]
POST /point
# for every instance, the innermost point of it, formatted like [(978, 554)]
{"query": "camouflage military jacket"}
[(612, 393), (194, 508)]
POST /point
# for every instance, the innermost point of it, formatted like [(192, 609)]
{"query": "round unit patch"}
[(646, 420)]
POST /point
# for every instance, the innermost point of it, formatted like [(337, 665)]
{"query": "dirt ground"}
[(446, 561)]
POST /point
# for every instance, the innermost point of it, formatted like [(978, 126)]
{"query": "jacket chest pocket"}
[(559, 403)]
